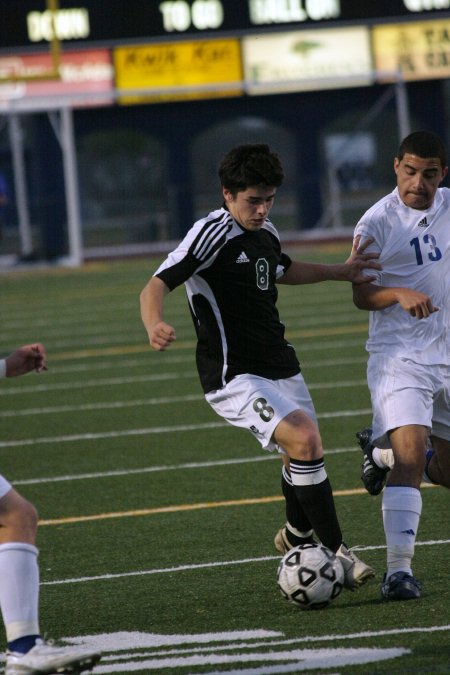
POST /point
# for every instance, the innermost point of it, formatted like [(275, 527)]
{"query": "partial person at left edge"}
[(27, 652)]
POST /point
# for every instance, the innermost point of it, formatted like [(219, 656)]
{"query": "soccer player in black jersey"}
[(230, 262)]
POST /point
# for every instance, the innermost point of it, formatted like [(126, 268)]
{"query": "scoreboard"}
[(29, 22)]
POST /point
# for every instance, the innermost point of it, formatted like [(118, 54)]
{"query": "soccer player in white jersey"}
[(408, 370), (27, 653), (230, 262)]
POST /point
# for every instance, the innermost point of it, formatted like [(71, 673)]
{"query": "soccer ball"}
[(310, 576)]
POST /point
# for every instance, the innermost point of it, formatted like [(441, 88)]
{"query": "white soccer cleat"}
[(356, 571), (45, 658), (282, 543)]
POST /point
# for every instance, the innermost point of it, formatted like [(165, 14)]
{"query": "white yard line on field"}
[(112, 434), (156, 400), (103, 405), (140, 432), (150, 378), (208, 565), (275, 641), (164, 467), (151, 469), (158, 360), (107, 382)]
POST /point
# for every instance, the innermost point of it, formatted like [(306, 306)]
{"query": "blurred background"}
[(114, 115)]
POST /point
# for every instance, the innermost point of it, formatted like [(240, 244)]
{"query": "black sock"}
[(295, 514), (317, 502)]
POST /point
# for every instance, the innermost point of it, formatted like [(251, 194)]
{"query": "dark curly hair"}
[(250, 165), (424, 144)]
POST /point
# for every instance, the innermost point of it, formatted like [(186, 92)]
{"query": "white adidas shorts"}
[(404, 392), (259, 405), (5, 486)]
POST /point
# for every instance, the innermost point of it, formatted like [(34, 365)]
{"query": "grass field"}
[(157, 519)]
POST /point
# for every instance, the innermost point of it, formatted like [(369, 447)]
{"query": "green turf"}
[(108, 434)]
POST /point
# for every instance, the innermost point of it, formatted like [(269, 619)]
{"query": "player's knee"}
[(407, 472), (305, 444), (22, 519)]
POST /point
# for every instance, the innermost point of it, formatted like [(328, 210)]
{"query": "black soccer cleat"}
[(400, 586), (373, 477)]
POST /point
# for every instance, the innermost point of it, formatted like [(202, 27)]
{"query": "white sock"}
[(383, 457), (402, 507), (19, 589), (298, 533)]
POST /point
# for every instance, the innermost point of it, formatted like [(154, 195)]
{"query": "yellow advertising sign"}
[(179, 70), (418, 51)]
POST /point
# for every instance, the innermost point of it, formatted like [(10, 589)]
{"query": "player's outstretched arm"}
[(24, 359), (374, 298), (160, 334), (352, 271)]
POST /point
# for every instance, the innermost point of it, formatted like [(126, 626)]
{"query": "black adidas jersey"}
[(229, 274)]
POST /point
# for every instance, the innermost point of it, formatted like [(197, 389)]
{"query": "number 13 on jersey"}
[(429, 246)]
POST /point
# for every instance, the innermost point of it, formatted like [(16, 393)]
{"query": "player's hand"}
[(358, 249), (359, 260), (416, 303), (162, 335), (25, 359)]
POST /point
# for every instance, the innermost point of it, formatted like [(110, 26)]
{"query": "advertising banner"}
[(418, 51), (307, 60), (180, 70), (84, 76)]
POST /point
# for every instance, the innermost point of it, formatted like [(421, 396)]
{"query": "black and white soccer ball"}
[(310, 576)]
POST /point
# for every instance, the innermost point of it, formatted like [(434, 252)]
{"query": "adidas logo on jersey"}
[(242, 258), (423, 222)]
